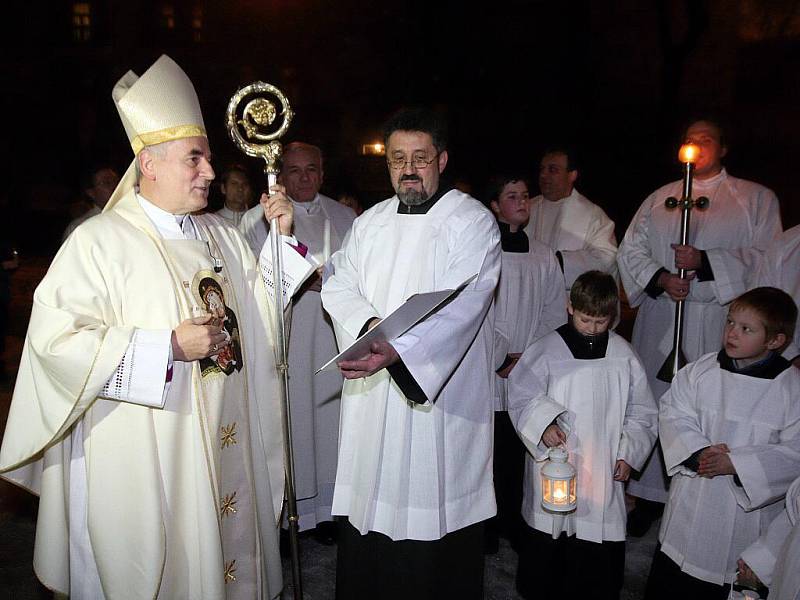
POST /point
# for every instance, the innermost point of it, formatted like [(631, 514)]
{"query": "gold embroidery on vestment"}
[(230, 570), (228, 505), (228, 435)]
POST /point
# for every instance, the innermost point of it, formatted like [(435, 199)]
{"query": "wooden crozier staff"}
[(688, 156), (261, 133)]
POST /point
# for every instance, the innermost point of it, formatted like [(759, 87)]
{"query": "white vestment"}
[(780, 268), (742, 219), (418, 471), (775, 556), (578, 229), (234, 217), (707, 523), (605, 407), (529, 302), (321, 225), (172, 496)]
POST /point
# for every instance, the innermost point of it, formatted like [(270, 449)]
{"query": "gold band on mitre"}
[(178, 132)]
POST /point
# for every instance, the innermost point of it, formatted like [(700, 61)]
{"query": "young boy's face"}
[(587, 324), (745, 337)]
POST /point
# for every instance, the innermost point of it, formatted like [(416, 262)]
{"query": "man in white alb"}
[(237, 193), (146, 413), (577, 230), (414, 479), (322, 224), (726, 243), (99, 185)]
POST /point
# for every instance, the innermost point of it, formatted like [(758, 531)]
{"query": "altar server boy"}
[(730, 432), (581, 386)]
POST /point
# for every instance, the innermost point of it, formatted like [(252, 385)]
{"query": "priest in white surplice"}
[(578, 231), (146, 413), (322, 224), (237, 194), (414, 477), (725, 244), (780, 268)]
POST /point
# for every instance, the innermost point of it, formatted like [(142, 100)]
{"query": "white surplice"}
[(158, 483), (605, 407), (418, 471), (530, 302), (314, 399), (775, 556), (707, 523), (577, 228), (780, 268), (234, 217), (742, 219)]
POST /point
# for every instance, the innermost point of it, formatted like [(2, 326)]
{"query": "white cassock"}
[(577, 228), (605, 407), (529, 302), (418, 471), (742, 219), (780, 268), (775, 556), (321, 225), (707, 523), (149, 493)]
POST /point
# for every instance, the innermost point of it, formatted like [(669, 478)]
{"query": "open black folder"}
[(417, 308)]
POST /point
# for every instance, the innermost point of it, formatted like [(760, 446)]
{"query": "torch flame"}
[(689, 153)]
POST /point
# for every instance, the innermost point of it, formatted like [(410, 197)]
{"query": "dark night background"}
[(615, 79)]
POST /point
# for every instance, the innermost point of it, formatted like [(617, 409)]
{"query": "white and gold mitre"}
[(160, 106)]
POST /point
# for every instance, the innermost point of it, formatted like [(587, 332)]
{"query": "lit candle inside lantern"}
[(689, 153), (559, 495)]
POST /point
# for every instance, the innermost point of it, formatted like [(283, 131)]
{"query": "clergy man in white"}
[(237, 194), (146, 413), (578, 231), (780, 268), (726, 242), (414, 479), (322, 224)]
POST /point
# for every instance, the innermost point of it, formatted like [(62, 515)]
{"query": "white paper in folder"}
[(417, 308)]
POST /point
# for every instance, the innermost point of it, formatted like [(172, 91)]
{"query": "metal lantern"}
[(558, 483)]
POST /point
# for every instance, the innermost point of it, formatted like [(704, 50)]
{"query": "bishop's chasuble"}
[(181, 501)]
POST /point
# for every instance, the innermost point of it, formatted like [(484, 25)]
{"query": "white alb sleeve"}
[(296, 267), (141, 377)]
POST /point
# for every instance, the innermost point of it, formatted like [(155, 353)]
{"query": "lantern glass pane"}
[(547, 489), (573, 495)]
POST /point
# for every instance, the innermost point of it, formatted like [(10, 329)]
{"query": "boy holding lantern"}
[(730, 432), (581, 386)]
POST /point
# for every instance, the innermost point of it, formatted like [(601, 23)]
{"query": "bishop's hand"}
[(198, 337), (381, 355), (278, 206)]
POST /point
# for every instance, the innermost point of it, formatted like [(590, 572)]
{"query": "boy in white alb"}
[(529, 302), (730, 431), (581, 386)]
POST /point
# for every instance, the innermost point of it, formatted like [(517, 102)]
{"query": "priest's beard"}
[(412, 197)]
